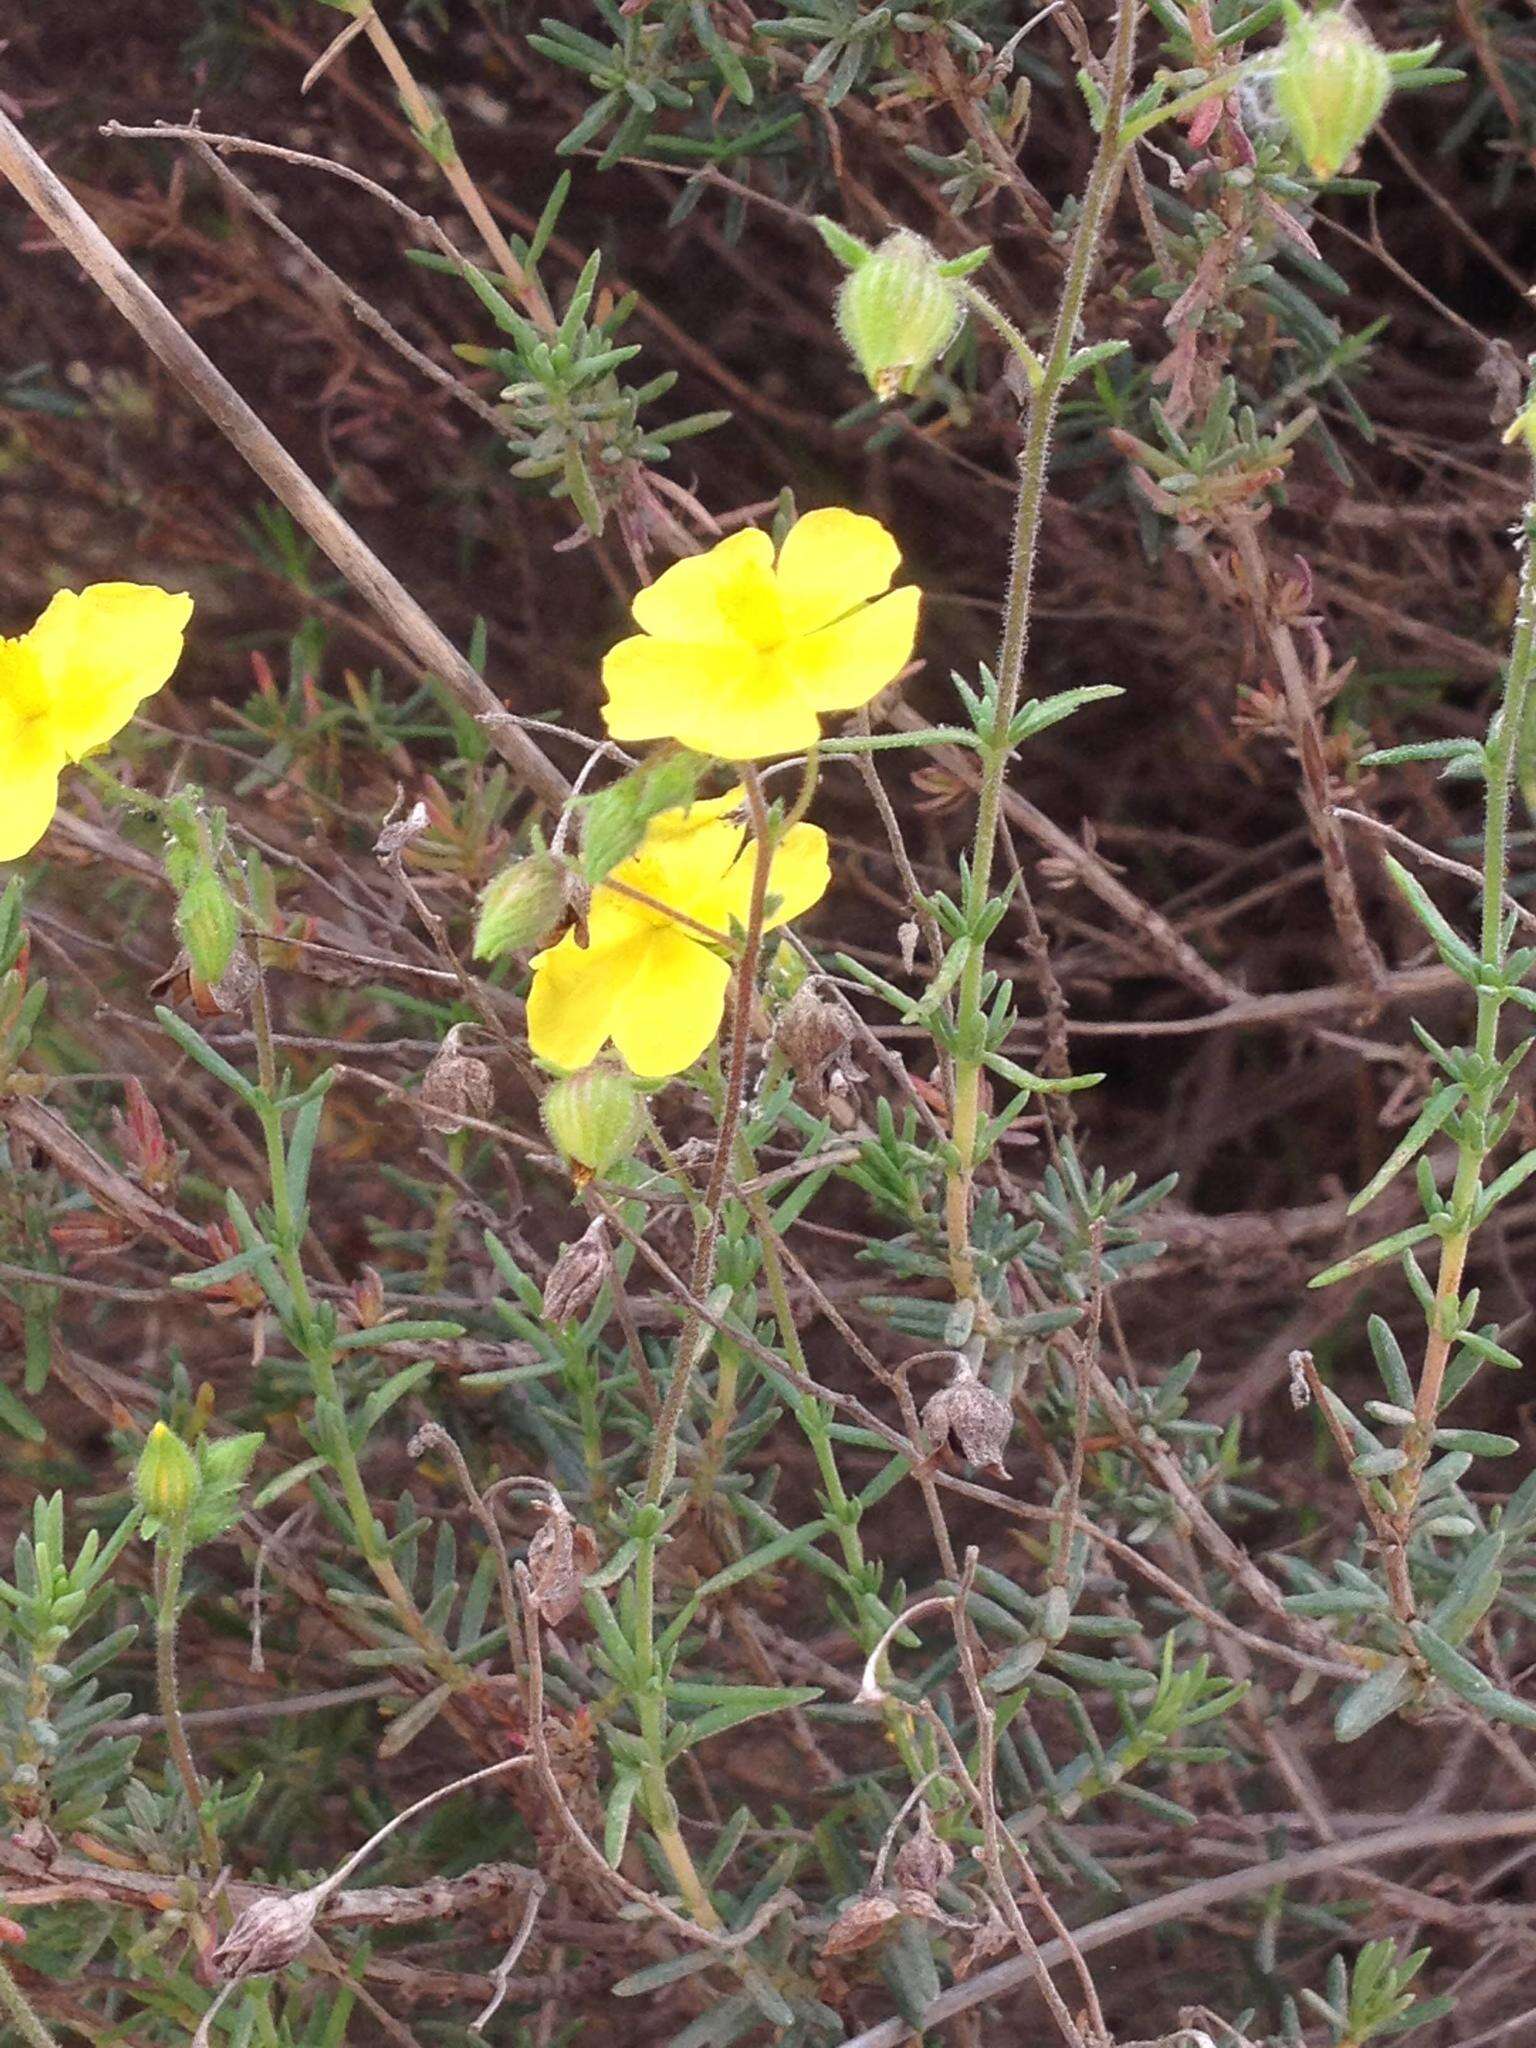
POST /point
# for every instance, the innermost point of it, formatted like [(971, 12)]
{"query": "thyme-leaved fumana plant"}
[(694, 973)]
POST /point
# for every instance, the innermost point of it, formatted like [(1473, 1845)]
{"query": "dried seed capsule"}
[(456, 1088), (925, 1859), (594, 1118), (980, 1422), (1332, 81), (898, 312), (811, 1034), (577, 1276), (269, 1934)]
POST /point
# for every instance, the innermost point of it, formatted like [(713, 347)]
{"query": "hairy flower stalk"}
[(660, 1807), (1034, 466), (29, 2026), (1476, 1130), (170, 1563)]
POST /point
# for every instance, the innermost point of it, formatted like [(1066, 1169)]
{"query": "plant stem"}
[(1034, 466), (438, 1244), (1476, 1127), (170, 1561), (311, 1343), (433, 133), (707, 1231), (15, 2001), (1365, 962), (660, 1807)]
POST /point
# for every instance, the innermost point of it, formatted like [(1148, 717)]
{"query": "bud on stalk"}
[(594, 1119), (1332, 81), (165, 1480), (520, 907), (898, 311), (208, 919)]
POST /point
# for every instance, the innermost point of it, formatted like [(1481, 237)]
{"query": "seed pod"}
[(978, 1420), (898, 312), (520, 907), (455, 1087), (594, 1119), (269, 1934), (1332, 81), (810, 1034), (861, 1923), (562, 1554), (924, 1860), (165, 1478), (577, 1276)]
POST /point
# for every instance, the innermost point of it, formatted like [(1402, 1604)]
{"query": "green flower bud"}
[(898, 312), (1332, 81), (594, 1118), (520, 907), (165, 1480), (617, 816), (208, 919)]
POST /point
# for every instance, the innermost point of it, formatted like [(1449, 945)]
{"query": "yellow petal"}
[(799, 876), (688, 817), (571, 1000), (758, 717), (738, 705), (685, 870), (831, 561), (843, 666), (654, 685), (668, 1006), (719, 598), (101, 652), (29, 787)]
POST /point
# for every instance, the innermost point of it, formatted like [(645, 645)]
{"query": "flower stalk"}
[(30, 2028), (170, 1564), (659, 1805), (1048, 379), (1478, 1129)]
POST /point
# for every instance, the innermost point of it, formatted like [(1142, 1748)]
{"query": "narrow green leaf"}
[(1435, 1114)]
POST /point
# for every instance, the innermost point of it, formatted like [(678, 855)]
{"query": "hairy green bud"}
[(594, 1119), (520, 907), (1332, 81), (898, 312), (208, 919), (165, 1480)]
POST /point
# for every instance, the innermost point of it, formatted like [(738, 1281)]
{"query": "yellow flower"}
[(655, 986), (71, 685), (738, 654)]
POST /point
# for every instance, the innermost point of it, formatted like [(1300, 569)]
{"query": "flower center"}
[(749, 604)]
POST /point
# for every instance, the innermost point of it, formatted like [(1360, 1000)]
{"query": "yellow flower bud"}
[(1332, 81), (165, 1479), (898, 312), (520, 907), (594, 1118)]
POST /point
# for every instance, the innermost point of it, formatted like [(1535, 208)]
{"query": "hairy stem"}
[(660, 1808), (1477, 1127), (1034, 468), (170, 1563), (13, 2000)]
